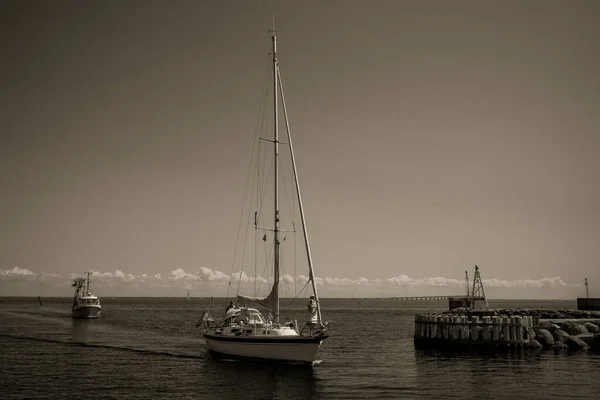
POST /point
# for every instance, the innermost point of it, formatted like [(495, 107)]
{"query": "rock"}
[(534, 344), (545, 338), (592, 328), (587, 338), (549, 326), (595, 345), (565, 325), (559, 346), (560, 335), (577, 329), (576, 344)]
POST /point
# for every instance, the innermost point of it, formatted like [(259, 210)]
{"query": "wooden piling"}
[(488, 330)]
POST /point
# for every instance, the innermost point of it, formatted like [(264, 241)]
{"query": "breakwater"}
[(558, 330), (569, 335), (461, 330), (539, 312), (588, 303)]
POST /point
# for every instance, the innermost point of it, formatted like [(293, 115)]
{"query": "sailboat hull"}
[(295, 348)]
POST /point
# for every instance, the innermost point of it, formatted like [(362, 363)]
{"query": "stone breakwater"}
[(571, 331), (542, 313), (569, 335)]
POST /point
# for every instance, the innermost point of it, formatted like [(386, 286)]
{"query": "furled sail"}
[(269, 302)]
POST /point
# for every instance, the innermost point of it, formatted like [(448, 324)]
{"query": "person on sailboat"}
[(230, 306), (312, 309)]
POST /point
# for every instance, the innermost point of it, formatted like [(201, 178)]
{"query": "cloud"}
[(362, 281), (16, 271), (107, 275), (44, 277), (214, 282), (211, 275), (438, 281), (555, 282), (181, 274)]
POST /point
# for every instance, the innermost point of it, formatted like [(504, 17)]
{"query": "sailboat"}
[(188, 295), (85, 304), (244, 331)]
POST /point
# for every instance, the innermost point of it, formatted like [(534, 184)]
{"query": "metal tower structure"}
[(467, 282), (478, 294)]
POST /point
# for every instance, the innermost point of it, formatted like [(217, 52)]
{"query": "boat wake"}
[(105, 346)]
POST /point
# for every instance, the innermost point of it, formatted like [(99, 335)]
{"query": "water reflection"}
[(80, 329), (484, 371), (247, 379)]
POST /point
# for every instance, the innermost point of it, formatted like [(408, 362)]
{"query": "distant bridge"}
[(429, 297)]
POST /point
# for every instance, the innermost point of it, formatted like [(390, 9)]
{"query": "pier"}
[(452, 330), (470, 323), (479, 327)]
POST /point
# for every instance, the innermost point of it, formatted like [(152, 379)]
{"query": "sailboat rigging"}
[(244, 331)]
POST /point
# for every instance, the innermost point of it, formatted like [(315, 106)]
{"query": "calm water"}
[(149, 348)]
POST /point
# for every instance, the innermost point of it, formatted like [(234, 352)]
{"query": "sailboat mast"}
[(276, 180)]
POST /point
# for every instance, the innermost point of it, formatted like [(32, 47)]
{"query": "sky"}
[(430, 136)]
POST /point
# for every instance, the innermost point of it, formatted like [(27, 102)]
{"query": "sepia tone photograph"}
[(299, 199)]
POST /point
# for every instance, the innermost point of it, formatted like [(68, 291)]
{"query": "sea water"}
[(144, 348)]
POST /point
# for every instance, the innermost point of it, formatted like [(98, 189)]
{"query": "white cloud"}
[(340, 282), (16, 271), (214, 282), (211, 275), (526, 283), (99, 274), (438, 281)]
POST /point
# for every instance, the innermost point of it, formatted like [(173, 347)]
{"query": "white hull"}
[(86, 311), (299, 349)]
